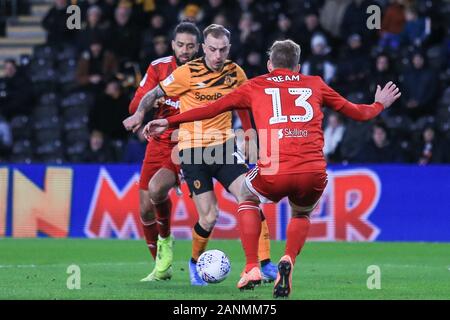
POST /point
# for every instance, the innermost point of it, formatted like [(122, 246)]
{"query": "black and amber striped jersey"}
[(196, 84)]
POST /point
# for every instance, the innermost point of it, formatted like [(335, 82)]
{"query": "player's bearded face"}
[(185, 47), (216, 51)]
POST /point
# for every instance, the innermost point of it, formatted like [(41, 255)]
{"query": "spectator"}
[(125, 42), (17, 96), (93, 28), (222, 19), (332, 14), (379, 149), (108, 9), (160, 47), (109, 111), (319, 63), (194, 14), (257, 9), (86, 4), (96, 65), (249, 36), (355, 20), (431, 148), (302, 8), (55, 23), (333, 133), (416, 30), (212, 8), (171, 10), (285, 29), (419, 88), (383, 73), (253, 65), (355, 136), (308, 29), (352, 71), (98, 151), (392, 25), (156, 28)]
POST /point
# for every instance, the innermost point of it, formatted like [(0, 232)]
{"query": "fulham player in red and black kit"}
[(287, 109), (159, 174)]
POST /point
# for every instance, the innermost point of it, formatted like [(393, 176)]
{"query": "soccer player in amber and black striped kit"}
[(201, 80)]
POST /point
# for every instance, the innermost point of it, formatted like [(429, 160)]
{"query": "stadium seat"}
[(45, 52), (79, 135), (76, 152), (49, 148), (46, 135), (76, 144), (443, 118), (75, 117), (24, 60), (46, 118), (20, 127), (22, 148), (355, 136), (52, 158), (80, 98), (67, 70), (422, 122), (357, 97), (117, 148), (19, 158), (49, 99), (37, 65), (445, 100), (42, 75), (399, 123), (435, 56), (48, 111), (66, 52), (2, 87)]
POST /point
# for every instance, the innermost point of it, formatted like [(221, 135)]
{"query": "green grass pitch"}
[(111, 269)]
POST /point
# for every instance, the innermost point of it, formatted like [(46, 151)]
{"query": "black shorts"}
[(200, 165)]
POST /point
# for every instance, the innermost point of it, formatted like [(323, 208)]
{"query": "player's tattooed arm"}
[(149, 99), (134, 122)]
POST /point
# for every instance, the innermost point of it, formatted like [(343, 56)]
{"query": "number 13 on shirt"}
[(301, 102)]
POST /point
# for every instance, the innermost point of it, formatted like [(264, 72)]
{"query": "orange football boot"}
[(250, 279)]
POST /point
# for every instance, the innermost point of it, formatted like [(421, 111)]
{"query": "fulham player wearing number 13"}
[(287, 108)]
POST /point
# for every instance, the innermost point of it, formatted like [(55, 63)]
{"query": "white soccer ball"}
[(213, 266)]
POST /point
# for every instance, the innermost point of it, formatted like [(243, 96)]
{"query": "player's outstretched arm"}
[(388, 94), (155, 128), (133, 123), (361, 112), (235, 100)]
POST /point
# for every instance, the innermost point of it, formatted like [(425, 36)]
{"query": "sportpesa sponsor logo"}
[(203, 97)]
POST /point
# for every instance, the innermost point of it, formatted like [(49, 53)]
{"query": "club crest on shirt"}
[(197, 184), (228, 81)]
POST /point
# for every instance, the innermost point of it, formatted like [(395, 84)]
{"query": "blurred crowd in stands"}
[(66, 102)]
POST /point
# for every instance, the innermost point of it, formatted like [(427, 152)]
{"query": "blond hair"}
[(285, 54)]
